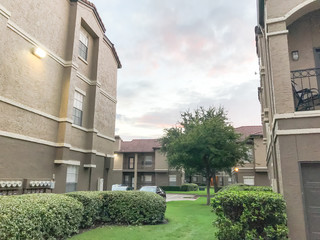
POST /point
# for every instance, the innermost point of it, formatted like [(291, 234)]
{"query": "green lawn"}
[(201, 193), (186, 220)]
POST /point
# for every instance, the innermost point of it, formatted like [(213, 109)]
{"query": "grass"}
[(186, 220), (198, 193)]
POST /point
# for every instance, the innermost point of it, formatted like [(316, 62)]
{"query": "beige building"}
[(253, 172), (57, 111), (288, 46), (140, 163)]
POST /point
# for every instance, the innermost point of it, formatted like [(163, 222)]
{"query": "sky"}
[(178, 55)]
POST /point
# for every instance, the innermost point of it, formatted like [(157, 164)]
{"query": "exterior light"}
[(39, 52), (236, 169), (295, 55), (115, 155)]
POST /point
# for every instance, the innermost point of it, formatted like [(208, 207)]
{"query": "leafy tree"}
[(204, 142)]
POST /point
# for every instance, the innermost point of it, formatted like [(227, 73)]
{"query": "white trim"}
[(297, 131), (158, 169), (87, 80), (80, 91), (83, 60), (34, 42), (261, 168), (300, 114), (106, 137), (246, 168), (277, 33), (82, 128), (117, 170), (110, 155), (52, 144), (89, 165), (67, 162), (33, 110), (3, 11), (107, 95), (290, 13)]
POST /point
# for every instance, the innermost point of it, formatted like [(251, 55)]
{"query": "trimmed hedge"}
[(171, 188), (189, 187), (93, 205), (250, 215), (133, 207), (39, 216), (243, 187)]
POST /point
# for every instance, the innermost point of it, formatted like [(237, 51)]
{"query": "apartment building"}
[(58, 81), (140, 163), (253, 172), (288, 47)]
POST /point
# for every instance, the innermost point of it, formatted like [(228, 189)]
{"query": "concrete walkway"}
[(180, 197)]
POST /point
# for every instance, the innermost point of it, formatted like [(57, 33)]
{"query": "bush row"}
[(250, 214), (185, 187), (243, 187), (39, 216), (58, 216)]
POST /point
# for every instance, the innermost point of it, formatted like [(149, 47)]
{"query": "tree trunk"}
[(208, 189), (215, 184)]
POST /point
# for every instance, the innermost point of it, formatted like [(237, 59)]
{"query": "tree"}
[(204, 142)]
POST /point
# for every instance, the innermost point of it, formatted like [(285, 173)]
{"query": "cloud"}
[(181, 54)]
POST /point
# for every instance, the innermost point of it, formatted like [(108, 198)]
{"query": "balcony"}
[(305, 89)]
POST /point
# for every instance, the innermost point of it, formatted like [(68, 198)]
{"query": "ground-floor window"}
[(172, 180), (72, 178), (147, 178), (249, 180)]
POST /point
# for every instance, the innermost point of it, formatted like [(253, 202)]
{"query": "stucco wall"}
[(161, 160)]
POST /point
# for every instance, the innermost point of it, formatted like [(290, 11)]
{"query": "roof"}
[(140, 145), (247, 131), (95, 11)]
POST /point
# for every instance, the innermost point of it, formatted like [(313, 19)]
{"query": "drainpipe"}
[(135, 170)]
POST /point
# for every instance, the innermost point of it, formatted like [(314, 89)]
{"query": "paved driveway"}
[(180, 197)]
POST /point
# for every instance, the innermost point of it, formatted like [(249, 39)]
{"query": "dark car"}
[(154, 189)]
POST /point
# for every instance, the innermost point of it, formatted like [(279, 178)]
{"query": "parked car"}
[(154, 189), (121, 187)]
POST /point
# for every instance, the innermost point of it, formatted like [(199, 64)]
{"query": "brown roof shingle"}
[(247, 131), (140, 145)]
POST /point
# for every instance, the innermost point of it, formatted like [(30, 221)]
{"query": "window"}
[(148, 161), (83, 45), (147, 178), (249, 180), (250, 156), (131, 162), (172, 180), (194, 179), (204, 179), (126, 179), (72, 178), (77, 108)]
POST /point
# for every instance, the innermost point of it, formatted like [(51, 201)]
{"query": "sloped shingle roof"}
[(247, 131), (139, 145)]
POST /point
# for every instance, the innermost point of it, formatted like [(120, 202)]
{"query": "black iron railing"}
[(305, 88)]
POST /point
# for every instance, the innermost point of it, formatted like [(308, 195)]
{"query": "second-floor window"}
[(147, 161), (131, 163), (83, 46), (77, 108)]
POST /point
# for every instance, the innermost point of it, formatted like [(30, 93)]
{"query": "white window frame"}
[(148, 178), (249, 180), (148, 161), (77, 113), (172, 180), (72, 178), (83, 45)]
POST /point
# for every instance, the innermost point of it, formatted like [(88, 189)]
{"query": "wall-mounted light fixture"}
[(236, 169), (39, 52), (295, 55)]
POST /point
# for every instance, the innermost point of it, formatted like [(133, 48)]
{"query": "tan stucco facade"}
[(157, 172), (38, 136), (291, 131)]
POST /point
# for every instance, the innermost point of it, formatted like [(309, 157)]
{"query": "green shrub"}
[(133, 207), (189, 187), (250, 215), (171, 188), (92, 203), (243, 187), (39, 216)]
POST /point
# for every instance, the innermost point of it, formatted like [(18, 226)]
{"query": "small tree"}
[(204, 142)]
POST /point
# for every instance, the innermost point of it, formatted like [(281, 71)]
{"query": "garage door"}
[(311, 190)]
